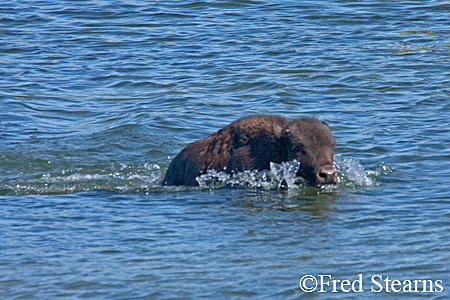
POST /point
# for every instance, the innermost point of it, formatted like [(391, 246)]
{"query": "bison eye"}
[(299, 149)]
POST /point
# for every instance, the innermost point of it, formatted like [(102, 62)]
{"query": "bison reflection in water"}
[(252, 142)]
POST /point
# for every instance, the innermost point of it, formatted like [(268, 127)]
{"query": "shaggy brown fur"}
[(252, 142)]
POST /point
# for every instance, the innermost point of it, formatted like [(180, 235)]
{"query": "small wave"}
[(117, 177)]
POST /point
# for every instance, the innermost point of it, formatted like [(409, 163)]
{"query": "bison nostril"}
[(327, 176), (323, 174)]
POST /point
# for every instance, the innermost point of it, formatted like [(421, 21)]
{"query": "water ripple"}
[(96, 97)]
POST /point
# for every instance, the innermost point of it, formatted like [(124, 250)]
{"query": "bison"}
[(252, 143)]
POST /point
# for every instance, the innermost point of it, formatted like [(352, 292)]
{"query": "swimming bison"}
[(252, 142)]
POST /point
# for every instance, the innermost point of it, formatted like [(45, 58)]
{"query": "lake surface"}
[(97, 97)]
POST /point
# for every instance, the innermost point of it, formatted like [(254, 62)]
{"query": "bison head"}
[(310, 142)]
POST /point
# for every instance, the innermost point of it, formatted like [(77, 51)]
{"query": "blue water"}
[(97, 97)]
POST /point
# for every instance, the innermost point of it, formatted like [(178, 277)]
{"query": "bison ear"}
[(277, 130)]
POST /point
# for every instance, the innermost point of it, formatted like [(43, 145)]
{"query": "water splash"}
[(350, 171), (279, 175)]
